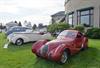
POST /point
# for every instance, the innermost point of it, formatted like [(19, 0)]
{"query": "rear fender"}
[(85, 42)]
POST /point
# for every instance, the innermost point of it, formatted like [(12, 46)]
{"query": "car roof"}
[(19, 27), (73, 30)]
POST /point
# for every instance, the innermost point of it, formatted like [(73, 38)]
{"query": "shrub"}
[(93, 33), (79, 28), (51, 28), (58, 27), (62, 26)]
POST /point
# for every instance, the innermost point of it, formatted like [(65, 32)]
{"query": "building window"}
[(85, 17), (70, 19)]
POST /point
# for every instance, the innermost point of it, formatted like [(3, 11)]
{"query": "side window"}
[(14, 29), (17, 29), (22, 29), (26, 28), (79, 35)]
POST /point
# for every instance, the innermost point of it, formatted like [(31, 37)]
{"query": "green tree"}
[(19, 23), (40, 25), (15, 21)]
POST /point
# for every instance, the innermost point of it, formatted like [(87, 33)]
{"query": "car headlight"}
[(44, 49)]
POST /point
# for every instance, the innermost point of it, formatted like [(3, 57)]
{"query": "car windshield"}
[(70, 34)]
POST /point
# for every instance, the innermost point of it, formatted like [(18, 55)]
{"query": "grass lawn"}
[(22, 57)]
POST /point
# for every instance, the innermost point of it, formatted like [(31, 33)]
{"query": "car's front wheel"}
[(19, 42), (64, 57)]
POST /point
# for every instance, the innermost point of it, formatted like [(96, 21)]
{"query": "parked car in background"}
[(19, 38), (68, 42), (18, 29), (40, 32), (56, 33)]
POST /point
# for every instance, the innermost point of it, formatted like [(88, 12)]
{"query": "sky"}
[(34, 11)]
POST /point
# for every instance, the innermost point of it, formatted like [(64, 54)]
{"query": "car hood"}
[(49, 46), (55, 43)]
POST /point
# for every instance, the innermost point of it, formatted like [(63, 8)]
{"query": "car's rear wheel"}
[(19, 42), (64, 57)]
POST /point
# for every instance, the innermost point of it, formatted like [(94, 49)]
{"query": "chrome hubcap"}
[(64, 57), (19, 42)]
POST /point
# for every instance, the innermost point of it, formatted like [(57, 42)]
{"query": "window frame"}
[(72, 13), (90, 14)]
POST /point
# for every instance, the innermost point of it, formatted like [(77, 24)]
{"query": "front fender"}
[(60, 49), (37, 45), (56, 54), (25, 39)]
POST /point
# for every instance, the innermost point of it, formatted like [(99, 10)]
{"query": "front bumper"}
[(8, 39)]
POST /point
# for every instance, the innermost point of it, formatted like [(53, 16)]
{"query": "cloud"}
[(36, 19), (38, 3), (37, 11), (8, 8)]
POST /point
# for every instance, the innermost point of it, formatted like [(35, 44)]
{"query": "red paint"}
[(54, 49)]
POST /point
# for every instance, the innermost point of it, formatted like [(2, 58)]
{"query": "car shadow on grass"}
[(85, 59), (26, 46)]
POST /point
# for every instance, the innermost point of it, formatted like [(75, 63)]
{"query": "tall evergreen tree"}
[(34, 26), (20, 23)]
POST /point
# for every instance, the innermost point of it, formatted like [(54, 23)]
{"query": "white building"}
[(58, 17), (85, 12), (11, 24)]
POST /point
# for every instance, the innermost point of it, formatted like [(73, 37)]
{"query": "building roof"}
[(61, 13), (11, 24)]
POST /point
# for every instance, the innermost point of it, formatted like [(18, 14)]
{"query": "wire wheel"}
[(64, 57)]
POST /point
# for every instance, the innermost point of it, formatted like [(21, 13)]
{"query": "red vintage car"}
[(68, 42)]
